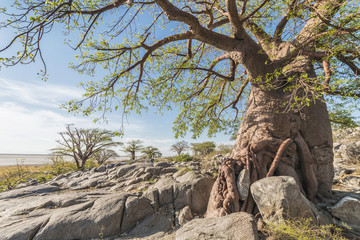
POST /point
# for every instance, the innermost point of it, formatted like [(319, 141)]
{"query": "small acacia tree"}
[(132, 147), (104, 155), (179, 147), (203, 148), (83, 144), (151, 152)]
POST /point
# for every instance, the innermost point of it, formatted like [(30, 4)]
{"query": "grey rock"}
[(163, 164), (102, 168), (348, 211), (124, 169), (243, 184), (153, 196), (136, 209), (161, 222), (31, 190), (200, 193), (236, 226), (182, 196), (185, 215), (153, 170), (20, 230), (279, 198), (86, 220), (166, 194), (110, 166), (168, 170)]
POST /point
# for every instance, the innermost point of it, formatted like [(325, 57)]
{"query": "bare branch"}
[(327, 71), (254, 11), (280, 27), (349, 63)]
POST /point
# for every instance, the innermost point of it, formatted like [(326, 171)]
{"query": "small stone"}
[(185, 215), (243, 184)]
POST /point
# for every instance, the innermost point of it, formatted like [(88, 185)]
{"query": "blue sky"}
[(30, 118)]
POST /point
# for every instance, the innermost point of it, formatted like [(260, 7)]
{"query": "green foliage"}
[(132, 147), (60, 166), (85, 144), (102, 156), (185, 157), (180, 147), (224, 148), (340, 114), (302, 230), (13, 176), (151, 152), (203, 148), (152, 63)]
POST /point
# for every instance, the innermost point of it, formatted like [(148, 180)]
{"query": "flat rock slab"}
[(236, 226)]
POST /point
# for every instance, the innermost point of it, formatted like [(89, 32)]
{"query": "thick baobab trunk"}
[(273, 142)]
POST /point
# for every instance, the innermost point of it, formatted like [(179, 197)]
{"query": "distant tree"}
[(151, 152), (179, 147), (83, 144), (224, 148), (203, 148), (132, 147), (103, 156)]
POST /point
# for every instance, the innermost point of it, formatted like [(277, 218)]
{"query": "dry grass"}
[(301, 230), (30, 168)]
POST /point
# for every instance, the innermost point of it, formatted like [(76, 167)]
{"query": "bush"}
[(183, 158), (12, 176)]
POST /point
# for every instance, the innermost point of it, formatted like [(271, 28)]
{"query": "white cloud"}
[(30, 119), (37, 93), (26, 130)]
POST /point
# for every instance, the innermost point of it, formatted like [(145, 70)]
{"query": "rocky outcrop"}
[(137, 200), (236, 226)]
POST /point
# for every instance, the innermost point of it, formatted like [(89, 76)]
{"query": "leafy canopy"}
[(196, 56), (84, 144)]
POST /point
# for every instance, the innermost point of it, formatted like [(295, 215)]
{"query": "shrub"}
[(183, 158)]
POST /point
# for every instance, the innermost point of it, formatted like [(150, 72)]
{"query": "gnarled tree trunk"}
[(273, 142)]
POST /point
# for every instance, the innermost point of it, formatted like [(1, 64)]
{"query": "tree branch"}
[(234, 18), (349, 63), (281, 25)]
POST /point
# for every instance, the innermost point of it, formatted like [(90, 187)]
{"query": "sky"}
[(30, 117)]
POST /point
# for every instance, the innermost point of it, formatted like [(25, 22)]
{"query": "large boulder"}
[(279, 198), (236, 226), (348, 211)]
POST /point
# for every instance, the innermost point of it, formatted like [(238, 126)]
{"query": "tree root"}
[(225, 198)]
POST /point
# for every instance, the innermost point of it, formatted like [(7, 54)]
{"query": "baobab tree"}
[(283, 60), (132, 147), (179, 147), (83, 144), (151, 152)]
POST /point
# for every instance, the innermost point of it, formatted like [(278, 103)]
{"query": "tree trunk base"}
[(261, 162)]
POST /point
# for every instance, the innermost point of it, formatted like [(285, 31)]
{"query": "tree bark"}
[(300, 143)]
